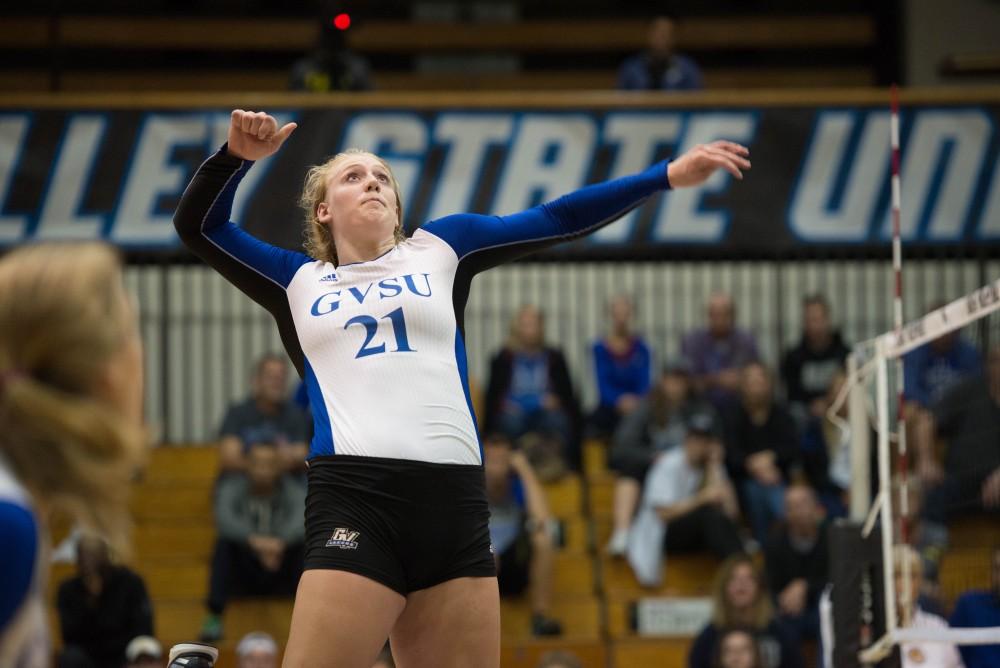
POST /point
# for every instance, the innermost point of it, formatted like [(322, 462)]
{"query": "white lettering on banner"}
[(151, 175), (220, 133), (550, 156), (401, 139), (13, 130), (74, 164), (467, 138), (681, 217), (989, 222), (637, 136), (946, 211), (812, 216)]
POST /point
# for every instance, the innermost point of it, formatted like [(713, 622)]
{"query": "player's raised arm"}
[(491, 240)]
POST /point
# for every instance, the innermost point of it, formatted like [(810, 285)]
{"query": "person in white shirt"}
[(920, 654)]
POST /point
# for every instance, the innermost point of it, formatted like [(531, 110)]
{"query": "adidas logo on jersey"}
[(329, 278), (345, 539)]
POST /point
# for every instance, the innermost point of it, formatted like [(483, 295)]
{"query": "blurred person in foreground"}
[(71, 390), (260, 544), (917, 654), (268, 414), (688, 504), (530, 397), (738, 649), (980, 609), (101, 608), (797, 561), (622, 366), (718, 352), (741, 600), (257, 650), (660, 67), (144, 652), (520, 530), (658, 424)]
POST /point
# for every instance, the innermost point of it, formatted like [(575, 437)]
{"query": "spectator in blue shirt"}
[(933, 368), (660, 67), (622, 364), (980, 609)]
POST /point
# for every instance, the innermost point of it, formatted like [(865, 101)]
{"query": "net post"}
[(857, 410), (885, 487)]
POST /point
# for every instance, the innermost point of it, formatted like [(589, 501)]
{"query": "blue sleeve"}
[(607, 392), (19, 537), (261, 271), (487, 241)]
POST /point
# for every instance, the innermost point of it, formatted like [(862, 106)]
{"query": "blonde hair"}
[(318, 242), (761, 610), (63, 317)]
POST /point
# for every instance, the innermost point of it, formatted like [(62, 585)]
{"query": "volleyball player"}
[(397, 537), (70, 419)]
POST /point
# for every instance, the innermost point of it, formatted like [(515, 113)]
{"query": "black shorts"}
[(406, 524)]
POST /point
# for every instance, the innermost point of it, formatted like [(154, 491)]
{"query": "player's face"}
[(737, 651), (741, 590), (360, 203)]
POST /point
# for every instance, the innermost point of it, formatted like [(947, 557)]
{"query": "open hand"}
[(255, 135), (694, 167)]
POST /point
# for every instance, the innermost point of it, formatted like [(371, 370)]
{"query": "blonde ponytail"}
[(63, 317)]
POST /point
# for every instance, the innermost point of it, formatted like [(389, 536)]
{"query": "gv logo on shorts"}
[(345, 539)]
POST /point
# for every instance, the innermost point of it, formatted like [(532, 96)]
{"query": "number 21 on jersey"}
[(370, 324)]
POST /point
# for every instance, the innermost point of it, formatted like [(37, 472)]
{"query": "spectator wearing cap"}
[(761, 449), (144, 652), (719, 351), (622, 366), (657, 424), (267, 415), (257, 650), (687, 504)]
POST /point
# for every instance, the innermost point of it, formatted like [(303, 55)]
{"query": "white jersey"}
[(24, 639), (380, 343)]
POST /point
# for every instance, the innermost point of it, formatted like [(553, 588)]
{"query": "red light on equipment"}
[(342, 21)]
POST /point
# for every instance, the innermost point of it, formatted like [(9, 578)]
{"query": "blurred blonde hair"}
[(761, 613), (63, 316), (318, 242)]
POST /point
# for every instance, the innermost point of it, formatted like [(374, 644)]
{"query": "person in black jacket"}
[(761, 449), (530, 391), (809, 368), (797, 562), (101, 609)]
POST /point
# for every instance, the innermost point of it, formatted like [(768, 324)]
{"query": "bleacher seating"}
[(169, 53)]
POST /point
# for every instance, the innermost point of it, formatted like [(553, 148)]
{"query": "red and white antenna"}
[(902, 460)]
